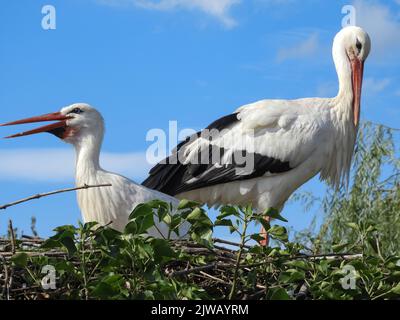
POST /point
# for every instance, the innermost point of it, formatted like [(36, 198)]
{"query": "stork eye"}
[(358, 45), (77, 111)]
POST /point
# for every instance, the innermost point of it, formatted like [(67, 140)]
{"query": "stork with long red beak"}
[(82, 126), (289, 142)]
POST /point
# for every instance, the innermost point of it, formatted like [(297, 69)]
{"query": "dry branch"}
[(41, 195)]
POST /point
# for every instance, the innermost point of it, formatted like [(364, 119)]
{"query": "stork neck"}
[(88, 155), (343, 69)]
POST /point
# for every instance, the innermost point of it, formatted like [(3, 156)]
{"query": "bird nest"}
[(211, 269), (222, 270)]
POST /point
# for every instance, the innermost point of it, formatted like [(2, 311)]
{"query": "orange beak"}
[(357, 67), (55, 128)]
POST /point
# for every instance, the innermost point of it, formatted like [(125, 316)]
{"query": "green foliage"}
[(93, 262), (366, 215)]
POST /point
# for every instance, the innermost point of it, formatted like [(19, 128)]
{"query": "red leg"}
[(264, 234)]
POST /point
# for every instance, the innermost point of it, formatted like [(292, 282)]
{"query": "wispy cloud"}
[(275, 2), (302, 49), (57, 165), (374, 86), (383, 25), (219, 9)]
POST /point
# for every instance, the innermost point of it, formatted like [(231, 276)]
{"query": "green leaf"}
[(167, 219), (195, 215), (266, 224), (257, 237), (69, 244), (339, 247), (223, 222), (131, 227), (300, 264), (274, 214), (70, 229), (162, 249), (353, 225), (202, 236), (232, 229), (227, 211), (175, 223), (156, 204), (396, 289), (88, 226), (142, 209), (278, 232), (105, 290), (187, 204), (278, 294), (291, 275), (144, 223), (20, 259), (51, 244)]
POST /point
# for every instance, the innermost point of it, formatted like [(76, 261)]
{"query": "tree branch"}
[(41, 195)]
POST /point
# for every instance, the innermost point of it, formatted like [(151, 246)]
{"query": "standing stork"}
[(83, 126), (288, 142)]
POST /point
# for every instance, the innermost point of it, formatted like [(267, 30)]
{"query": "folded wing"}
[(261, 139)]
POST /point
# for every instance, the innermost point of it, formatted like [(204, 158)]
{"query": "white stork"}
[(82, 126), (288, 142)]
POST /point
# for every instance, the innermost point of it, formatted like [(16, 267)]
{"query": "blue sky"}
[(143, 63)]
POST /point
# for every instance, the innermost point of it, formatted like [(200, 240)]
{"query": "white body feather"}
[(108, 205), (306, 132)]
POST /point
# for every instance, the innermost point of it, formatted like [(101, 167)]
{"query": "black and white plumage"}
[(290, 142)]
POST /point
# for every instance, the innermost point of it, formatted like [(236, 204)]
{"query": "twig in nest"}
[(231, 243), (215, 278), (192, 270), (259, 294), (5, 288), (12, 236), (41, 195)]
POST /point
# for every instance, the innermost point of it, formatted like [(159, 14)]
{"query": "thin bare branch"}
[(41, 195), (230, 243)]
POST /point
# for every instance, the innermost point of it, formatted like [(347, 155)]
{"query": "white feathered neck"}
[(337, 169)]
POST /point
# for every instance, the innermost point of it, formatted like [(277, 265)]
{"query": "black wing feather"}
[(172, 177)]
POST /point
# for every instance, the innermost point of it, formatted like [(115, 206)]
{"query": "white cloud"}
[(302, 49), (373, 85), (57, 165), (219, 9), (383, 26), (275, 2)]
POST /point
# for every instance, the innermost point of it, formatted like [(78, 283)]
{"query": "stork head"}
[(72, 123), (351, 48)]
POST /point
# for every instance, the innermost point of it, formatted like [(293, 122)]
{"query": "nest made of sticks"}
[(215, 276)]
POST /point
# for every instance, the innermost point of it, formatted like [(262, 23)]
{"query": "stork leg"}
[(264, 234)]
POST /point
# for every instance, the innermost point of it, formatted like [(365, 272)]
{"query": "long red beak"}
[(357, 67), (55, 128)]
